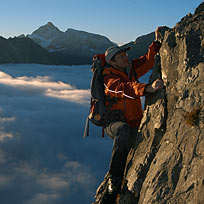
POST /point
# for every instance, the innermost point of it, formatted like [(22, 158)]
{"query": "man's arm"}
[(143, 64), (115, 86)]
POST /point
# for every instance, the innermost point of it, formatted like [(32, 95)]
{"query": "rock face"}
[(167, 165)]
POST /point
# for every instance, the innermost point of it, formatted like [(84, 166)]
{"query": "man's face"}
[(120, 61)]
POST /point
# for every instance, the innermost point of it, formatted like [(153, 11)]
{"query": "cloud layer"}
[(43, 85), (43, 158)]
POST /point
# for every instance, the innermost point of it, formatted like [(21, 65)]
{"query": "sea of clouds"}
[(43, 157)]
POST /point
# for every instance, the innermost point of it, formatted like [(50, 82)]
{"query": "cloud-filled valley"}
[(43, 157)]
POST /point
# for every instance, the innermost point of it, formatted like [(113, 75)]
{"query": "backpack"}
[(98, 97)]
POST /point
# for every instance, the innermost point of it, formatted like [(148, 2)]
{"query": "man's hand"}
[(157, 32), (156, 85)]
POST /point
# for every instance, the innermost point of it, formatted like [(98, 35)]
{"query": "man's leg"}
[(121, 134)]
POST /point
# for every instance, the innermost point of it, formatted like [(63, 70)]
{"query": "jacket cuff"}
[(139, 90), (144, 92)]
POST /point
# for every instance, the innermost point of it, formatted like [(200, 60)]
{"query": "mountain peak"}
[(50, 24), (45, 34), (48, 28)]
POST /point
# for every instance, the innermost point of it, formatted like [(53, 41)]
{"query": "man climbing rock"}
[(123, 118)]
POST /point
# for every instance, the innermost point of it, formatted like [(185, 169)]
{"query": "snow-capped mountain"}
[(74, 41), (49, 45), (47, 35), (23, 49)]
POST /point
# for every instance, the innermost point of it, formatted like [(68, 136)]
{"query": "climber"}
[(123, 119)]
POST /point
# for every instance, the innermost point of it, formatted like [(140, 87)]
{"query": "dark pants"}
[(124, 138)]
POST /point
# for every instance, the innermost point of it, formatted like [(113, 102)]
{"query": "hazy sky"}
[(120, 20)]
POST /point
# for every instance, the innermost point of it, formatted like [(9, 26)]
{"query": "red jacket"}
[(127, 89)]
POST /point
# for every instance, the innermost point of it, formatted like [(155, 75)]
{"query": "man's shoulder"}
[(112, 71), (106, 71)]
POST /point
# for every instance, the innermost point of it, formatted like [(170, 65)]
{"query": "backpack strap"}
[(102, 131), (86, 130)]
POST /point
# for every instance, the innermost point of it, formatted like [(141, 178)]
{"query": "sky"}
[(121, 21)]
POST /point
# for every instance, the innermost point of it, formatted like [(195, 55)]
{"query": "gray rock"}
[(200, 8)]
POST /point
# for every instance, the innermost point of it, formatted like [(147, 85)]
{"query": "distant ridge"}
[(23, 50), (49, 45)]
